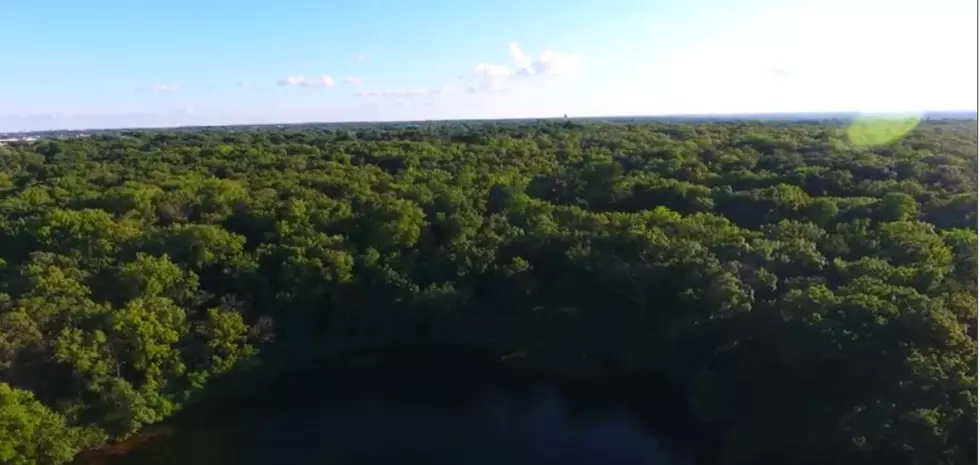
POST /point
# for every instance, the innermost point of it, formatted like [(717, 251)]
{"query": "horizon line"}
[(965, 114)]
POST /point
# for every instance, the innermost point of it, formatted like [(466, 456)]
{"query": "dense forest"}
[(812, 294)]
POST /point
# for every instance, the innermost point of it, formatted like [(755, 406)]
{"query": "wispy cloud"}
[(354, 81), (485, 78), (496, 78), (360, 57), (300, 81), (408, 96), (244, 84), (550, 63), (165, 88)]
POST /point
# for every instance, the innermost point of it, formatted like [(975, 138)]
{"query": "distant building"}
[(18, 139)]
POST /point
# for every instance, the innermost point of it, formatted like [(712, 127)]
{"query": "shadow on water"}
[(431, 409)]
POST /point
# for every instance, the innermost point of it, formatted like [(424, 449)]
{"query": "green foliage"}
[(32, 434), (811, 287)]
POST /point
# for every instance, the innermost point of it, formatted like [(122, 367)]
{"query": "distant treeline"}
[(455, 125)]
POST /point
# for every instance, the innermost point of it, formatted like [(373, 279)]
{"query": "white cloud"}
[(354, 81), (496, 78), (292, 81), (490, 78), (300, 81), (550, 63), (516, 54), (553, 63), (166, 88)]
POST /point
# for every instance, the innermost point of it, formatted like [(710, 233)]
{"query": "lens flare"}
[(869, 130)]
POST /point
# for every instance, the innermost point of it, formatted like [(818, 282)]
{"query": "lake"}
[(438, 410)]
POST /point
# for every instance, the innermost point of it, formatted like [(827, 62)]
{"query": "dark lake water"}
[(434, 412)]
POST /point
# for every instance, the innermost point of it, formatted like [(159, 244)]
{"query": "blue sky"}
[(116, 63)]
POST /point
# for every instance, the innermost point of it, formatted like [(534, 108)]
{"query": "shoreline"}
[(234, 392)]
